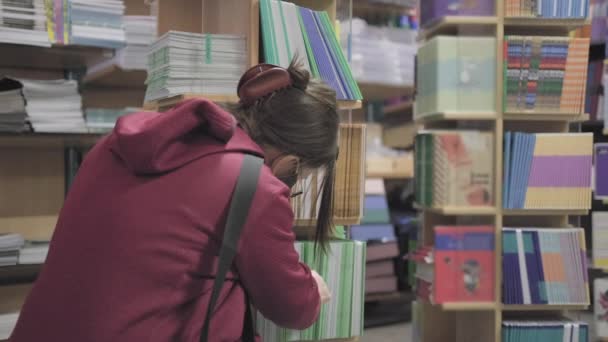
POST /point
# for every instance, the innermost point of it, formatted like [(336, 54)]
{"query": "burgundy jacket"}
[(135, 248)]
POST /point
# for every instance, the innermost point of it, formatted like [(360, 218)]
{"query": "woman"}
[(135, 249)]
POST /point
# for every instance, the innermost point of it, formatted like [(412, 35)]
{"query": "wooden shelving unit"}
[(382, 91), (47, 140), (440, 321), (57, 57), (115, 76)]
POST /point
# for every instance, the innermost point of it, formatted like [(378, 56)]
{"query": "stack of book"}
[(343, 268), (433, 10), (544, 266), (460, 75), (23, 22), (601, 170), (348, 184), (9, 249), (183, 62), (314, 37), (33, 252), (380, 54), (600, 307), (379, 234), (599, 223), (8, 321), (547, 170), (54, 106), (554, 9), (102, 120), (97, 23), (13, 116), (454, 168), (459, 267), (545, 74), (545, 330)]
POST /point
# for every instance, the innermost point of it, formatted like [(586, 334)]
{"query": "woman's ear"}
[(286, 169)]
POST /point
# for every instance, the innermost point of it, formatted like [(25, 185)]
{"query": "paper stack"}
[(599, 223), (343, 268), (9, 248), (12, 112), (382, 55), (97, 23), (23, 22), (33, 253), (7, 324), (183, 62), (547, 170), (545, 330), (544, 266), (54, 106), (102, 120), (554, 9), (601, 170)]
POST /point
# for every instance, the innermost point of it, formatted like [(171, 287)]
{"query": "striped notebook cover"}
[(544, 266), (343, 268), (547, 170), (545, 330), (549, 9)]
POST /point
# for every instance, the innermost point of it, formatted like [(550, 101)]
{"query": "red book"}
[(464, 264)]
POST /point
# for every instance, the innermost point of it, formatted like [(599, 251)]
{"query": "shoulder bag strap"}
[(242, 197)]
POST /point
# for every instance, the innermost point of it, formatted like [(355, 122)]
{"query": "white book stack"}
[(380, 54), (9, 249), (182, 62), (13, 116), (7, 324), (23, 22), (98, 23), (33, 253), (54, 106)]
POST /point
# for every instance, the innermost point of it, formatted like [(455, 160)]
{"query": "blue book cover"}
[(507, 169), (373, 232)]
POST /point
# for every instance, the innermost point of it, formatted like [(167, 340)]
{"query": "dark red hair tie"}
[(260, 81)]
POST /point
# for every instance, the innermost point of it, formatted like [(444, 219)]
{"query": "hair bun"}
[(299, 75)]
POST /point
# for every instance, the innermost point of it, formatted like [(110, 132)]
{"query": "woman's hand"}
[(323, 290)]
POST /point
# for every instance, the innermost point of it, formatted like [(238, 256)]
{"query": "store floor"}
[(389, 333)]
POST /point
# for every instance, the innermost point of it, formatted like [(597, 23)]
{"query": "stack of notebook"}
[(601, 170), (13, 116), (554, 9), (544, 266), (433, 10), (547, 170), (343, 268), (599, 223), (545, 74), (460, 75), (454, 168), (23, 22), (102, 120), (9, 248), (378, 232), (545, 330), (459, 268), (600, 307), (8, 321), (349, 181), (182, 62), (380, 54), (33, 253), (308, 34), (97, 22), (54, 106)]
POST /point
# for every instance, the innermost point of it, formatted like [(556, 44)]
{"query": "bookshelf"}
[(445, 322)]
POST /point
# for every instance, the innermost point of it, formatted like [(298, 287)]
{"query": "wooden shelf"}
[(454, 116), (545, 116), (406, 174), (386, 297), (116, 77), (543, 307), (19, 273), (44, 140), (459, 211), (405, 106), (379, 7), (380, 91), (303, 223), (57, 57), (564, 25), (349, 104), (545, 212), (456, 24), (480, 306), (605, 131)]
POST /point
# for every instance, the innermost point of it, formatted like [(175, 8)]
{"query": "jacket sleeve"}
[(279, 286)]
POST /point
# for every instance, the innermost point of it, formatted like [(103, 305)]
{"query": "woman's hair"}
[(301, 120)]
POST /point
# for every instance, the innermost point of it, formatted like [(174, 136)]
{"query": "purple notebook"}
[(601, 170), (431, 10)]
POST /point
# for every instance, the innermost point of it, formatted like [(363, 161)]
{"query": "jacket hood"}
[(151, 143)]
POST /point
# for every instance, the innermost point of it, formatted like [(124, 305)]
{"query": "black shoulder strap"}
[(237, 216)]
